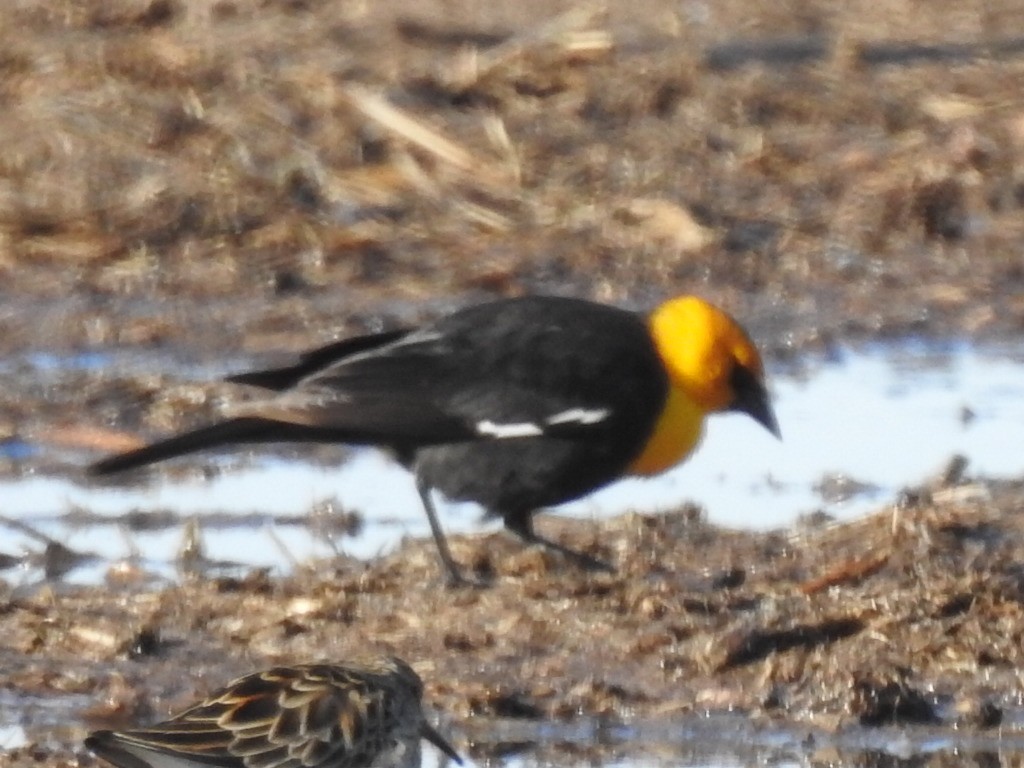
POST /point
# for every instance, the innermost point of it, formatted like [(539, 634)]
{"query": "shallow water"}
[(873, 421), (695, 741), (724, 740)]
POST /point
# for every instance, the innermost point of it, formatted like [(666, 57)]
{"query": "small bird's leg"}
[(521, 524), (455, 578)]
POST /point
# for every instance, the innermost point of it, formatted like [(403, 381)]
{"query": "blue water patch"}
[(77, 361), (17, 449), (867, 422)]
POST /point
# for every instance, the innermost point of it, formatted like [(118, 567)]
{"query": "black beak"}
[(439, 741), (750, 397)]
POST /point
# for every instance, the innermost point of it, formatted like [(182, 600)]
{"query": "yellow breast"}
[(675, 435)]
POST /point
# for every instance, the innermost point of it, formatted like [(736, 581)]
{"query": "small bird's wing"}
[(135, 749), (280, 718)]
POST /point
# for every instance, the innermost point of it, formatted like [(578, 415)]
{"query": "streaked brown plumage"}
[(352, 715)]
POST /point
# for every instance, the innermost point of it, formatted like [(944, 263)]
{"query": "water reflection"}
[(690, 741)]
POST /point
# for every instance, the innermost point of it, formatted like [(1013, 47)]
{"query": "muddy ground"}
[(913, 617), (188, 186)]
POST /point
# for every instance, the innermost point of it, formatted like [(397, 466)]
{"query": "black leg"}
[(521, 524), (455, 578)]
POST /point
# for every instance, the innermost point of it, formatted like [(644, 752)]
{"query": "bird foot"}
[(580, 559)]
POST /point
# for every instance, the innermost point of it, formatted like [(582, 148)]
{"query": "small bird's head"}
[(711, 358)]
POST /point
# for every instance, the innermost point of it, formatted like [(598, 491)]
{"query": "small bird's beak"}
[(751, 398), (439, 741)]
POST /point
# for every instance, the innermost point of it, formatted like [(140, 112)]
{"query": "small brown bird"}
[(362, 714), (516, 404)]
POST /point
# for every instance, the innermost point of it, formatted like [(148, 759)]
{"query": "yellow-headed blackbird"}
[(515, 404)]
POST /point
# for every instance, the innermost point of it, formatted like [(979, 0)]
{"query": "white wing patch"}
[(501, 431), (582, 416), (416, 337), (579, 416)]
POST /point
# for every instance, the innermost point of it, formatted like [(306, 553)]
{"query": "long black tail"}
[(230, 432)]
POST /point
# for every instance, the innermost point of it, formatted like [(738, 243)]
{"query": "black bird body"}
[(431, 395), (515, 404)]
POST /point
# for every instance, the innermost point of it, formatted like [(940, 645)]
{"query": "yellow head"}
[(710, 359)]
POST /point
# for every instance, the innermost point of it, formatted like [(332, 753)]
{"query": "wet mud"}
[(911, 617)]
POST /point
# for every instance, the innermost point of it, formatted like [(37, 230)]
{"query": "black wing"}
[(510, 368), (314, 360)]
